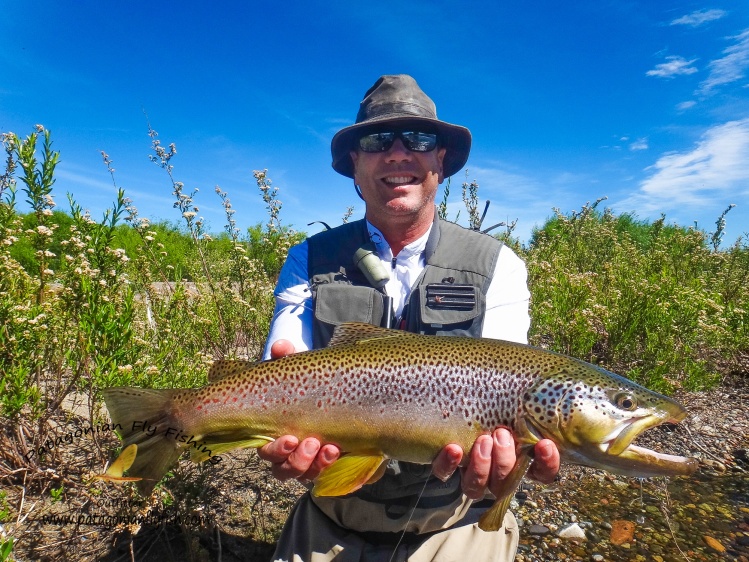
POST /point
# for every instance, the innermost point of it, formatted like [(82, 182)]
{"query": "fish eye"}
[(625, 401)]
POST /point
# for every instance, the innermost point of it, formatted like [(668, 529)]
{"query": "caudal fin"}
[(141, 415)]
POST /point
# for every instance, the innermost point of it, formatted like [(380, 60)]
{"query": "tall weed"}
[(639, 298)]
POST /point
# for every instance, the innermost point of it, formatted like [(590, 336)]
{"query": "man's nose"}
[(398, 152)]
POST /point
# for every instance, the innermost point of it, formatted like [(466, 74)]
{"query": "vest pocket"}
[(446, 305), (336, 303)]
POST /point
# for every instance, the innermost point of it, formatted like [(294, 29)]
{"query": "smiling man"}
[(397, 153)]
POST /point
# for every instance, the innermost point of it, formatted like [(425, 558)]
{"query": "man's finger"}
[(281, 348), (476, 475), (289, 459), (503, 457), (301, 458), (326, 456), (546, 462), (279, 450), (447, 462)]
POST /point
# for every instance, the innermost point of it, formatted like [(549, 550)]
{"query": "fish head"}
[(593, 416)]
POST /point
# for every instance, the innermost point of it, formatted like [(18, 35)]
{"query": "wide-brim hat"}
[(398, 100)]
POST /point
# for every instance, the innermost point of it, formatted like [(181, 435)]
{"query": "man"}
[(398, 153)]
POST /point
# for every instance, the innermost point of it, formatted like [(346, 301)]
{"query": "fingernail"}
[(485, 448), (545, 451), (310, 447), (329, 455), (504, 438)]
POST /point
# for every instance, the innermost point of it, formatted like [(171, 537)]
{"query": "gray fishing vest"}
[(448, 299)]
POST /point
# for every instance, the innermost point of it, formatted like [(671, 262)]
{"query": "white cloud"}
[(674, 66), (683, 106), (699, 17), (716, 167), (639, 144), (731, 67)]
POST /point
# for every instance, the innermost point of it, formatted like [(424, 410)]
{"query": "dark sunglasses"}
[(412, 140)]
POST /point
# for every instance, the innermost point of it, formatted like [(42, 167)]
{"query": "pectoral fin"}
[(492, 519), (348, 474)]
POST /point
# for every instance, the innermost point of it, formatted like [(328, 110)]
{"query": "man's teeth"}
[(400, 179)]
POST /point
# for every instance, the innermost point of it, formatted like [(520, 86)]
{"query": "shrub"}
[(652, 301)]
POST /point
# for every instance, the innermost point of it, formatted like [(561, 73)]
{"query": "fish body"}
[(380, 394)]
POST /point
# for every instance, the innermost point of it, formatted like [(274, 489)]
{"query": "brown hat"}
[(398, 99)]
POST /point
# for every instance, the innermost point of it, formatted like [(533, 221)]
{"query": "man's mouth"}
[(400, 180)]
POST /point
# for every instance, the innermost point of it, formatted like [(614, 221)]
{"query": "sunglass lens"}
[(419, 142), (376, 142)]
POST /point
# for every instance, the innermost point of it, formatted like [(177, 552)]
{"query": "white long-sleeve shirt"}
[(506, 316)]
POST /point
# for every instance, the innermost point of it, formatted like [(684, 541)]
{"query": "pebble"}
[(597, 558), (714, 544), (622, 531), (539, 530), (571, 532)]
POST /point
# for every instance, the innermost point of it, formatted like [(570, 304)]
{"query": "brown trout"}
[(380, 394)]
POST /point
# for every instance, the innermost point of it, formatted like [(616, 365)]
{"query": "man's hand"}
[(288, 457), (492, 458)]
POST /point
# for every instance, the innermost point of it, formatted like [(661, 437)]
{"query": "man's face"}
[(398, 184)]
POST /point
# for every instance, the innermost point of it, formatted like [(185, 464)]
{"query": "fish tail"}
[(142, 416)]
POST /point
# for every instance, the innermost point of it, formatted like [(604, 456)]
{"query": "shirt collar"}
[(414, 249)]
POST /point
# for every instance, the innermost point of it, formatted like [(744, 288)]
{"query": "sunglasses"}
[(412, 140)]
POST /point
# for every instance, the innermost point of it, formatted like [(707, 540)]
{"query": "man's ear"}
[(354, 157), (440, 158)]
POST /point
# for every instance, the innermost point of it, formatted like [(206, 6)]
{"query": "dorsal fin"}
[(222, 368), (360, 332)]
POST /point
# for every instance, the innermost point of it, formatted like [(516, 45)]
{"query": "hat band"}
[(397, 110)]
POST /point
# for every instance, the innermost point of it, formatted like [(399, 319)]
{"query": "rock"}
[(571, 532), (714, 543), (539, 530), (597, 558), (622, 532)]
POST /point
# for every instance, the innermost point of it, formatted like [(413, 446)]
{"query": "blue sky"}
[(644, 102)]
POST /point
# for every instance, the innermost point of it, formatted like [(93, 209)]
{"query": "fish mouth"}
[(621, 438), (616, 453), (619, 455)]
